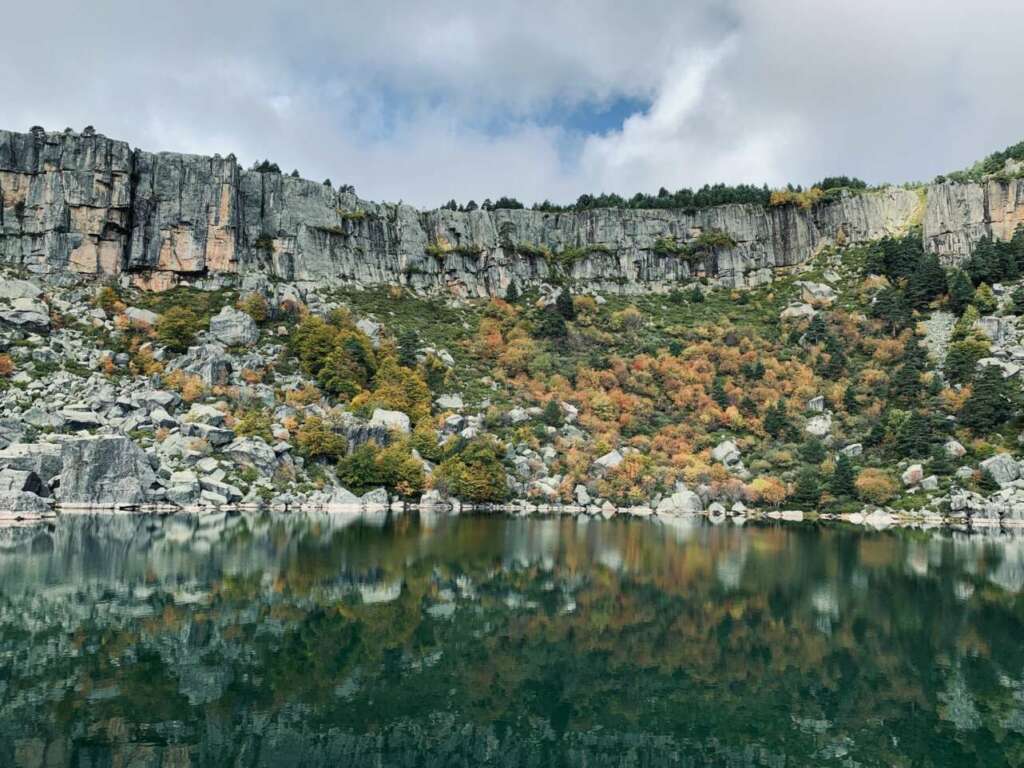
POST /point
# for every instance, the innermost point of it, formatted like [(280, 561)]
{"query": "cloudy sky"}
[(426, 101)]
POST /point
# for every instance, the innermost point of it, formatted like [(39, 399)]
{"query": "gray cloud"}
[(424, 102)]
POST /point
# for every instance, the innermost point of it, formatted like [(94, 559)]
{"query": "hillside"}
[(307, 347)]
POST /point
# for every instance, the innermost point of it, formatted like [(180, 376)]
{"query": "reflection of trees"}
[(813, 636)]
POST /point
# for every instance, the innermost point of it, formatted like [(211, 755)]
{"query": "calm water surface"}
[(270, 640)]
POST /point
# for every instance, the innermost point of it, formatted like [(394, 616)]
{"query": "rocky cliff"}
[(89, 205)]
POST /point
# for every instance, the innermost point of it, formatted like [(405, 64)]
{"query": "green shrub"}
[(255, 423), (177, 328), (476, 473)]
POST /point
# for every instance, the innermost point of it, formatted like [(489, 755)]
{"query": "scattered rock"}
[(233, 328)]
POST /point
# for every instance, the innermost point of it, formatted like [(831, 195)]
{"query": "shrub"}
[(177, 328), (393, 467), (628, 319), (875, 486), (424, 441), (476, 473), (768, 490), (255, 306), (256, 423), (316, 440), (188, 385), (985, 300)]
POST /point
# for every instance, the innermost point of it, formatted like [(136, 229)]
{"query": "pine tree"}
[(927, 282), (817, 331), (813, 451), (915, 435), (989, 404), (776, 422), (512, 293), (960, 291), (940, 463), (890, 306), (552, 415), (563, 303), (850, 404), (718, 393), (807, 492), (407, 346), (551, 324), (843, 478), (696, 295)]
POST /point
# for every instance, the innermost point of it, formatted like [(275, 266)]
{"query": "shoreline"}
[(878, 519)]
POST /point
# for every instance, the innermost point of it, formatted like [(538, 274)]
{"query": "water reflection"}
[(268, 640)]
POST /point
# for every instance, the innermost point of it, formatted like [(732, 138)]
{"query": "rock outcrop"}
[(85, 204)]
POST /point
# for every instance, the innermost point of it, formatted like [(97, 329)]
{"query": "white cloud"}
[(429, 101)]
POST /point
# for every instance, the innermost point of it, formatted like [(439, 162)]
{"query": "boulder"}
[(390, 420), (819, 426), (139, 316), (954, 449), (28, 315), (44, 459), (913, 475), (104, 470), (233, 328), (610, 460), (253, 452), (19, 289), (375, 498), (816, 404), (798, 312), (76, 419), (853, 450), (1003, 468), (817, 294), (343, 497), (450, 402), (682, 502), (183, 488), (205, 414), (23, 502), (372, 331), (727, 453), (582, 495)]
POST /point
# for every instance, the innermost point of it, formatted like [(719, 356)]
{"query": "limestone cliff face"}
[(958, 215), (82, 203)]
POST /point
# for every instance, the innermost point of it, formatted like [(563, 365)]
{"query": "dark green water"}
[(268, 640)]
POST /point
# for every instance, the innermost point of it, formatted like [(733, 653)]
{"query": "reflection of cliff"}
[(261, 639)]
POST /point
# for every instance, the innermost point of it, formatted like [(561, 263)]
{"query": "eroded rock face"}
[(83, 203), (104, 470)]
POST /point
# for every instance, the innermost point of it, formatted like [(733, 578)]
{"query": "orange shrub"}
[(875, 486), (6, 365)]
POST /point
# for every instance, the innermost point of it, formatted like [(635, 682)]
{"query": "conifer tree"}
[(989, 404), (807, 492), (512, 293), (564, 305), (843, 478), (927, 282), (776, 422), (960, 291), (718, 393)]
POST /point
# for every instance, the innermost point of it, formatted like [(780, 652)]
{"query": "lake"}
[(264, 639)]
